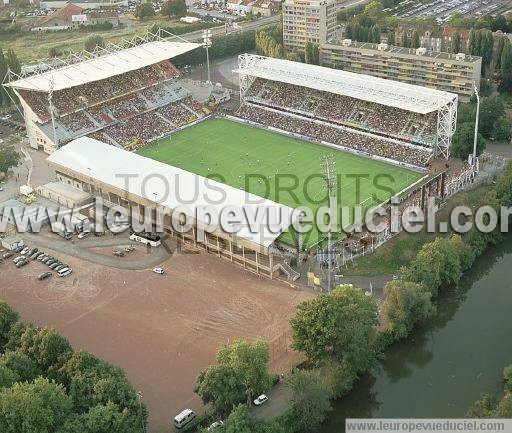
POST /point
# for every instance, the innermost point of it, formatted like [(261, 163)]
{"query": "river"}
[(445, 365)]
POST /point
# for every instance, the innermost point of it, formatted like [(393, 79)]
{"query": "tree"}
[(339, 324), (311, 54), (93, 41), (240, 374), (37, 407), (436, 264), (462, 141), (506, 59), (456, 43), (504, 186), (405, 40), (491, 109), (4, 99), (9, 157), (24, 367), (8, 317), (415, 41), (483, 408), (507, 377), (239, 421), (7, 377), (310, 400), (501, 129), (505, 85), (144, 10), (392, 38), (53, 52), (406, 304), (46, 347), (177, 8)]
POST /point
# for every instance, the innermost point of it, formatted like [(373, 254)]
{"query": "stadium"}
[(127, 107)]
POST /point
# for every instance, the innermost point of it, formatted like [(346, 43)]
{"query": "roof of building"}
[(108, 65), (64, 13), (171, 187), (450, 32), (364, 87)]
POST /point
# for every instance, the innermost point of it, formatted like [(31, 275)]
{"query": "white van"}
[(184, 417), (64, 272)]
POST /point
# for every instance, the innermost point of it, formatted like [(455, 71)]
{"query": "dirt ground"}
[(163, 330)]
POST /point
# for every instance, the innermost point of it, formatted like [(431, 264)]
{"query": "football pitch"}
[(280, 168)]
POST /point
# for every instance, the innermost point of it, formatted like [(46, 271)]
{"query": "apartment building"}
[(308, 21), (453, 73)]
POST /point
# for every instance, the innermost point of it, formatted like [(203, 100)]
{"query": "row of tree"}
[(493, 124), (46, 386), (358, 32), (8, 61)]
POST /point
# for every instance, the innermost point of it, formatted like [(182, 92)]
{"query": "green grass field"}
[(277, 167)]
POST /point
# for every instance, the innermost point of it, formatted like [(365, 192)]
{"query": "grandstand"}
[(125, 95), (388, 119)]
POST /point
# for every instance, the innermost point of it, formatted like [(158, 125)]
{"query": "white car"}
[(260, 400), (83, 234), (214, 425), (158, 271)]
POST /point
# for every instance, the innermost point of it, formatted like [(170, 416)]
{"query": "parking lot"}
[(162, 329)]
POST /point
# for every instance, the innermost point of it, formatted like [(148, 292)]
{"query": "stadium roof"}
[(378, 90), (108, 65), (172, 187)]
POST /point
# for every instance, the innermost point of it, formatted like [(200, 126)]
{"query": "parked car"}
[(59, 267), (215, 425), (44, 275), (36, 255), (45, 260), (51, 261), (83, 234), (64, 272), (118, 253), (158, 271), (7, 255), (17, 259), (54, 265), (260, 400), (25, 250), (18, 249), (42, 257), (22, 263), (32, 251), (184, 417)]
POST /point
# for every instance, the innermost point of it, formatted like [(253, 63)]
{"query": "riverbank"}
[(447, 363)]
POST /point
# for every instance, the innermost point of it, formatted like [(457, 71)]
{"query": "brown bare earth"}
[(163, 330)]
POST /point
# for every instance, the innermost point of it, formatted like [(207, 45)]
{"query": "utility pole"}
[(207, 43), (50, 97), (330, 182), (473, 162)]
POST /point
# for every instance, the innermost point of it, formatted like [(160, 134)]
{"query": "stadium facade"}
[(418, 117), (93, 93)]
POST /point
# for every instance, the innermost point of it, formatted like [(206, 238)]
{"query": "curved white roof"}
[(173, 187), (364, 87), (105, 66)]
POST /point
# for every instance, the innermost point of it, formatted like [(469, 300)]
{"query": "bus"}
[(146, 238)]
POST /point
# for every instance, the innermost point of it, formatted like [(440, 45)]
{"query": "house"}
[(102, 17), (86, 4), (448, 35), (62, 19), (240, 7), (431, 42), (265, 8)]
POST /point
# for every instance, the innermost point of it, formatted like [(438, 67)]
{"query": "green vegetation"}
[(9, 157), (239, 375), (93, 41), (144, 11), (275, 166), (176, 8), (47, 387), (489, 406)]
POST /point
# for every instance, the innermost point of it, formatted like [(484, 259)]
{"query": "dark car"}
[(32, 251), (51, 261), (45, 260), (18, 249), (21, 263), (54, 265), (44, 275)]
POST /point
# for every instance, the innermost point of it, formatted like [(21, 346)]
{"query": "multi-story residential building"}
[(308, 21), (454, 73)]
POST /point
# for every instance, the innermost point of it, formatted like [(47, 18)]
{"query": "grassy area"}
[(403, 248), (230, 152), (31, 46)]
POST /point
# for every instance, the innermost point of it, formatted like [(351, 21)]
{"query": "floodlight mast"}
[(207, 43), (475, 141), (328, 165)]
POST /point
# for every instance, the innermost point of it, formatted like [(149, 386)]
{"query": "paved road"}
[(279, 401), (243, 27), (80, 249)]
